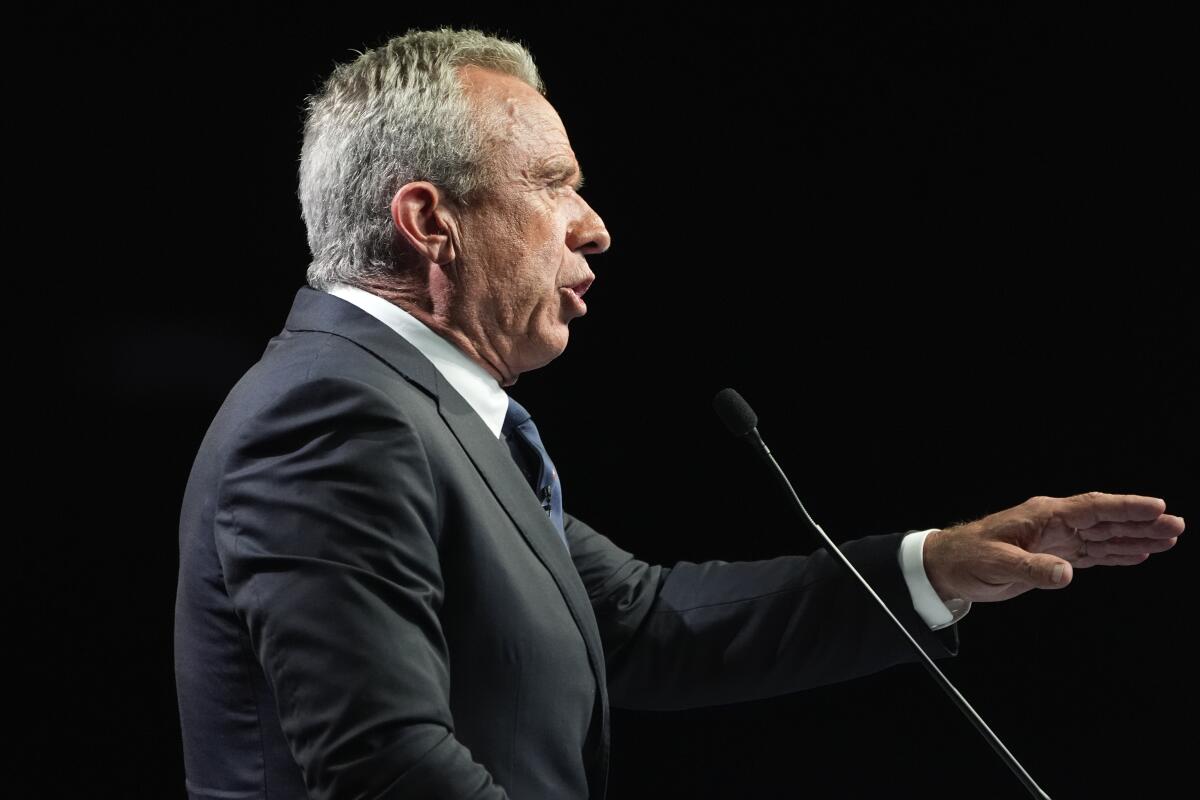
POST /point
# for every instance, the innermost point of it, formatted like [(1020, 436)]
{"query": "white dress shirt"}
[(484, 394)]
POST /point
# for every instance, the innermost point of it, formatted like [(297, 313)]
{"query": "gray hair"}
[(396, 114)]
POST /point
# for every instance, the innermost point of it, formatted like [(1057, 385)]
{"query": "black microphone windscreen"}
[(735, 412)]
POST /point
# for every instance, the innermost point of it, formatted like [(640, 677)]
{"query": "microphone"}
[(739, 418), (743, 423)]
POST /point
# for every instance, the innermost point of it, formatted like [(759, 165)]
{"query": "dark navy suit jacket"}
[(373, 604)]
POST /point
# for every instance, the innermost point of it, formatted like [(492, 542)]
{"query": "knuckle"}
[(1039, 507), (1032, 569)]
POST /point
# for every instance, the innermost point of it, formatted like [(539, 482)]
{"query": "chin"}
[(549, 348)]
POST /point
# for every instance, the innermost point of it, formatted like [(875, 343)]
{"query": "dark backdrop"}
[(941, 250)]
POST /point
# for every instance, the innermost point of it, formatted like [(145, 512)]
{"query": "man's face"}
[(522, 268)]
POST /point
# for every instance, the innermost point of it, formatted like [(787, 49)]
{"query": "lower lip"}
[(575, 300)]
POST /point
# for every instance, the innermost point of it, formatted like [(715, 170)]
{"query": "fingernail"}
[(1058, 573)]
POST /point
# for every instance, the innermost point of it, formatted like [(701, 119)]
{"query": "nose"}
[(588, 234)]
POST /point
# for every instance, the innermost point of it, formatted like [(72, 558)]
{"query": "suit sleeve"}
[(723, 632), (327, 535)]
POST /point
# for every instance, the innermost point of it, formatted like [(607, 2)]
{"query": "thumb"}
[(1048, 572)]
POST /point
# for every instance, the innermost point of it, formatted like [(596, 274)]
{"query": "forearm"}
[(721, 632)]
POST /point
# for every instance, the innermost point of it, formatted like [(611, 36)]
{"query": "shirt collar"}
[(477, 386)]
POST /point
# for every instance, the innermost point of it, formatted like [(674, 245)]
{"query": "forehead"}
[(524, 120)]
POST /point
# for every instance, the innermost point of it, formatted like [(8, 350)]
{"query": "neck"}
[(432, 305)]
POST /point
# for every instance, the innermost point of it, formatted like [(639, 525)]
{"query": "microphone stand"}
[(755, 440)]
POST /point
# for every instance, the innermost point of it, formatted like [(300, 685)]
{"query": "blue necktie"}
[(527, 450)]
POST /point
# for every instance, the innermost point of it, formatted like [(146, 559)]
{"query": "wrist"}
[(932, 556)]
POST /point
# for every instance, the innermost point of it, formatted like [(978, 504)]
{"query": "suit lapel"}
[(314, 310), (494, 462)]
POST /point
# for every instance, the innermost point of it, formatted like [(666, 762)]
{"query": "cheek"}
[(546, 259), (537, 258)]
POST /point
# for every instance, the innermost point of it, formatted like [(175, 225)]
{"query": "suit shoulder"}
[(296, 357), (311, 378), (319, 363)]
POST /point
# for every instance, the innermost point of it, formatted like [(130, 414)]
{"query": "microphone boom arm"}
[(737, 415)]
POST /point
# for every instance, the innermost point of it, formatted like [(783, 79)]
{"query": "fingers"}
[(1123, 561), (1110, 561), (1087, 510), (1124, 548), (1168, 526)]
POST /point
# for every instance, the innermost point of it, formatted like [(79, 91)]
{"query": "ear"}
[(422, 215)]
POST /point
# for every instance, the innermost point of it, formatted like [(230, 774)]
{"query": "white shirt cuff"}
[(925, 600)]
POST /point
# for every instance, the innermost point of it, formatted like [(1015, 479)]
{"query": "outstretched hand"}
[(1039, 544)]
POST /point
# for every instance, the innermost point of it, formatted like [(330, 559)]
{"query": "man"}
[(380, 593)]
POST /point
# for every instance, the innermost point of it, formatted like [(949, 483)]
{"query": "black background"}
[(941, 250)]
